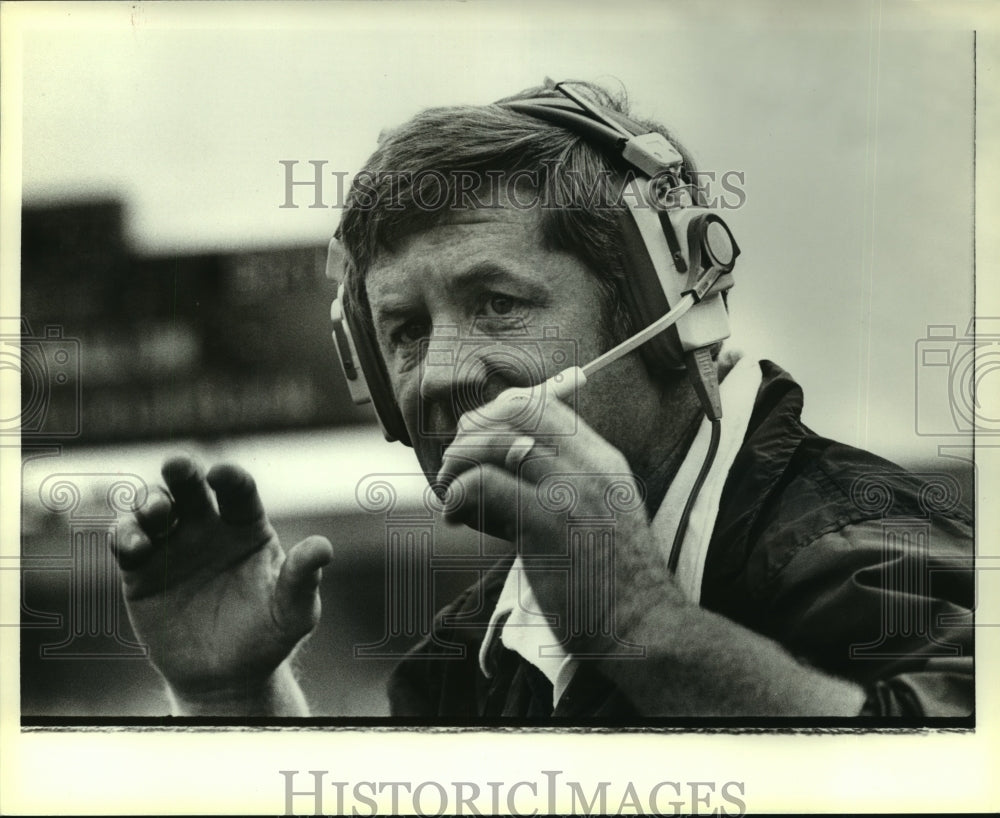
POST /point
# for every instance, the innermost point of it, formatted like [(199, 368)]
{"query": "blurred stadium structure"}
[(181, 346)]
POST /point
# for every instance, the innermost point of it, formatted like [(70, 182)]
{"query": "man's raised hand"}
[(215, 597)]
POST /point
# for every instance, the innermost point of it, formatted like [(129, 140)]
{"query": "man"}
[(746, 572)]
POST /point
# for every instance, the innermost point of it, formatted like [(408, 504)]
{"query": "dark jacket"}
[(855, 566)]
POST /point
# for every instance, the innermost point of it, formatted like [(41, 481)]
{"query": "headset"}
[(679, 258)]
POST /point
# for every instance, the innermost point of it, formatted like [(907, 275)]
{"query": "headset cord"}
[(703, 372), (682, 525)]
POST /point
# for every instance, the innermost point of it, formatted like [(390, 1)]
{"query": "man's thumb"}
[(296, 597)]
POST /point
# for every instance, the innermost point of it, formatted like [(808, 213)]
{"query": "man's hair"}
[(413, 179)]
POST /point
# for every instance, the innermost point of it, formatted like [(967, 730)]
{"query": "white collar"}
[(525, 630)]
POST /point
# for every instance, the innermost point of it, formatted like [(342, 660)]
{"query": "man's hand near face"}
[(695, 662), (215, 597), (523, 482)]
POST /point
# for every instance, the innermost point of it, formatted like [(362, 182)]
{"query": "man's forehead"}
[(458, 227), (476, 244)]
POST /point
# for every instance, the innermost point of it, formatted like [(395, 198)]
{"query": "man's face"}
[(473, 306)]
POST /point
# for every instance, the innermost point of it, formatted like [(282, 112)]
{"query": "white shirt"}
[(525, 630)]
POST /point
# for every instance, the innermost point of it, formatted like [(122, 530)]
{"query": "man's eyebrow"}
[(487, 273), (474, 278), (393, 311)]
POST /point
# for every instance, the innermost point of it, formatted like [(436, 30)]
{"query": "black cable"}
[(682, 525)]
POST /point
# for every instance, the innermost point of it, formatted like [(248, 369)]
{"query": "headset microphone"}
[(563, 384)]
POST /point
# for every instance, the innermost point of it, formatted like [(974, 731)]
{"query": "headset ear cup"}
[(383, 399), (710, 244), (370, 368)]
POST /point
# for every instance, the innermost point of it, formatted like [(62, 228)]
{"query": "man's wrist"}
[(700, 663), (277, 695)]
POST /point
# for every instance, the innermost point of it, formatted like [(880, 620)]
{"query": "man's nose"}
[(460, 373)]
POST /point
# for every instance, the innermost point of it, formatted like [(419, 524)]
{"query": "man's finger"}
[(131, 547), (186, 481), (516, 416), (518, 454), (550, 419), (466, 453), (296, 596), (156, 516), (486, 498), (531, 411), (236, 493)]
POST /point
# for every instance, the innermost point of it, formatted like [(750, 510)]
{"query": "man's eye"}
[(411, 332), (502, 304)]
